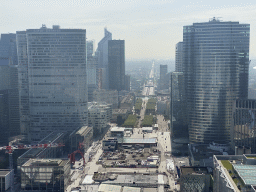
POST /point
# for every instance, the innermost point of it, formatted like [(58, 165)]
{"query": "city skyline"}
[(151, 29)]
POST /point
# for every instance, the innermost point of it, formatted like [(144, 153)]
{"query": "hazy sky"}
[(150, 28)]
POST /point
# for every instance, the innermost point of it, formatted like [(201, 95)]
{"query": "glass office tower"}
[(116, 64), (216, 62), (52, 80)]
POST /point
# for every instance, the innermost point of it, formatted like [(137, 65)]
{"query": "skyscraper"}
[(127, 82), (8, 47), (52, 80), (9, 116), (9, 87), (102, 52), (116, 64), (216, 61), (92, 69), (164, 80), (179, 57), (177, 105)]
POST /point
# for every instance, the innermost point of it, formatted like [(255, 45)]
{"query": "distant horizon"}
[(150, 28)]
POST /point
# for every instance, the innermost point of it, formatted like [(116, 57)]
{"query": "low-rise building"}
[(202, 155), (194, 179), (143, 142), (110, 144), (234, 173), (243, 126), (108, 96), (120, 131), (97, 118), (45, 175), (104, 106), (44, 152), (119, 113), (81, 135), (147, 129), (5, 179), (117, 131), (127, 102)]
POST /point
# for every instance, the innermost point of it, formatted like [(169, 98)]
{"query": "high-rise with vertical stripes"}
[(216, 63), (52, 80)]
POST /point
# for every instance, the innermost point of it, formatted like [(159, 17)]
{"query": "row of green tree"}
[(130, 121), (138, 105)]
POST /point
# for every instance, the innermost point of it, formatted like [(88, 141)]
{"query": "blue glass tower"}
[(216, 62)]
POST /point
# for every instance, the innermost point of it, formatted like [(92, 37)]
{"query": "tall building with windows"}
[(9, 99), (179, 57), (216, 62), (8, 47), (102, 52), (177, 105), (92, 69), (243, 130), (164, 78), (116, 64), (52, 80)]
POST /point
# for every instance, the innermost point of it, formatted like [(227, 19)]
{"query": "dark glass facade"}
[(164, 80), (216, 62), (102, 52), (116, 64), (178, 108), (243, 124), (179, 57)]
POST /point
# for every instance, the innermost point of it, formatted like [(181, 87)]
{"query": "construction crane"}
[(10, 148)]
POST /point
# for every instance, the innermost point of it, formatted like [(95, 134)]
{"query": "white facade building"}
[(97, 118), (52, 80), (107, 96)]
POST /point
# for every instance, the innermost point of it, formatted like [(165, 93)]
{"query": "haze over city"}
[(150, 28), (132, 95)]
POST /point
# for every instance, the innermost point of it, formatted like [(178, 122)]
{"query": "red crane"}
[(9, 149)]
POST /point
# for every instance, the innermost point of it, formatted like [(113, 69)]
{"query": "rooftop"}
[(193, 170), (127, 140), (113, 129), (109, 188), (241, 169), (84, 129), (131, 189), (246, 173), (119, 111), (46, 162), (4, 172), (127, 99), (202, 151)]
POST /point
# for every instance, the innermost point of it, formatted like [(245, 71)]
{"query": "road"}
[(90, 167), (149, 87), (163, 138)]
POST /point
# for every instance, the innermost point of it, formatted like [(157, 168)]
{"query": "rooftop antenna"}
[(215, 19)]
